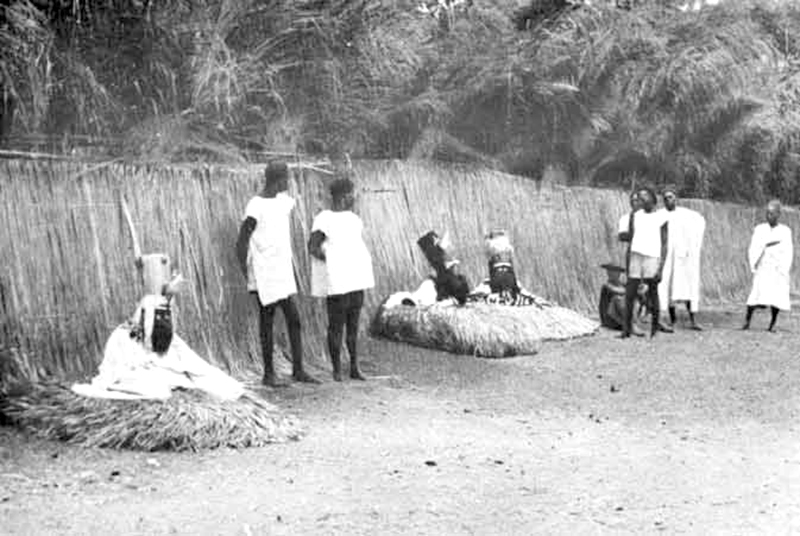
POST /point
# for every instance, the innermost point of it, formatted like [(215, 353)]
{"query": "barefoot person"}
[(648, 250), (341, 269), (680, 281), (264, 250), (770, 256)]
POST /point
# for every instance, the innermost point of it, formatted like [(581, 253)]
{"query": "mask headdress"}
[(435, 249), (152, 323), (500, 256), (498, 246), (449, 284)]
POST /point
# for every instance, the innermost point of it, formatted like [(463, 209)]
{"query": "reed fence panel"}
[(68, 275)]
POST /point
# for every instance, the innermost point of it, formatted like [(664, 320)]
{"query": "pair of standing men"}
[(664, 254), (341, 269)]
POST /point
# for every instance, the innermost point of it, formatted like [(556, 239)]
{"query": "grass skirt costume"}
[(152, 392), (496, 319)]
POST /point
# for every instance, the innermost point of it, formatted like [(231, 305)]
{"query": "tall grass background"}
[(68, 275)]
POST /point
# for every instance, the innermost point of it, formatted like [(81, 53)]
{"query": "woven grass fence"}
[(68, 276)]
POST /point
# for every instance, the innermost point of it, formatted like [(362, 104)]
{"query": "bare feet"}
[(696, 327), (665, 329), (270, 380), (355, 374), (746, 326), (337, 376), (304, 377)]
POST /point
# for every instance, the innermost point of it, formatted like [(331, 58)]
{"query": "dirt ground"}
[(690, 433)]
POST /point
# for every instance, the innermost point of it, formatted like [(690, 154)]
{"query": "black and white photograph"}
[(399, 267)]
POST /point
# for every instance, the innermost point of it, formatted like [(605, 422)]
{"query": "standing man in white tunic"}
[(264, 250), (770, 256), (680, 281)]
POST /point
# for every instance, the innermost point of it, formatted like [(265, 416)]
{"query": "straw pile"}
[(189, 420), (481, 329)]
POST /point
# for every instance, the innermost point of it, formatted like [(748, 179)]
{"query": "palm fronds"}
[(26, 44), (376, 77)]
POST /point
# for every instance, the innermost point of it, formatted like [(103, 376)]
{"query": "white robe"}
[(680, 280), (270, 271), (424, 295), (771, 266), (132, 370)]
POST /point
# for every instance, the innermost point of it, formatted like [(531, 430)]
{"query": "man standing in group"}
[(680, 281), (264, 250), (648, 250), (770, 256)]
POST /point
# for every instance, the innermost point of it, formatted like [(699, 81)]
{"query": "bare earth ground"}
[(691, 433)]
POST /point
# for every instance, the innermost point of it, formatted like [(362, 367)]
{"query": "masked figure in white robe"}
[(770, 256), (680, 280), (144, 359)]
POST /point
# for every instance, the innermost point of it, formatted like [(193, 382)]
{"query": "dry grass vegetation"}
[(711, 94)]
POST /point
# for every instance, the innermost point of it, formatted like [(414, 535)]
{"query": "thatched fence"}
[(68, 276)]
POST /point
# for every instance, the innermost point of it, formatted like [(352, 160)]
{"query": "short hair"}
[(775, 203), (340, 187), (275, 171), (669, 188), (649, 191)]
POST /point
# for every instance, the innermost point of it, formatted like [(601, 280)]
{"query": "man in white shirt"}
[(264, 250), (680, 281), (770, 256), (648, 250), (624, 236)]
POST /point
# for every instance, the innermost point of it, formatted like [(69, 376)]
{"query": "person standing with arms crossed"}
[(264, 250), (770, 256), (341, 269)]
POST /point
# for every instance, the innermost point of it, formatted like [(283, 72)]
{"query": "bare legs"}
[(343, 313), (266, 320), (693, 324), (631, 288), (655, 306), (749, 316)]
